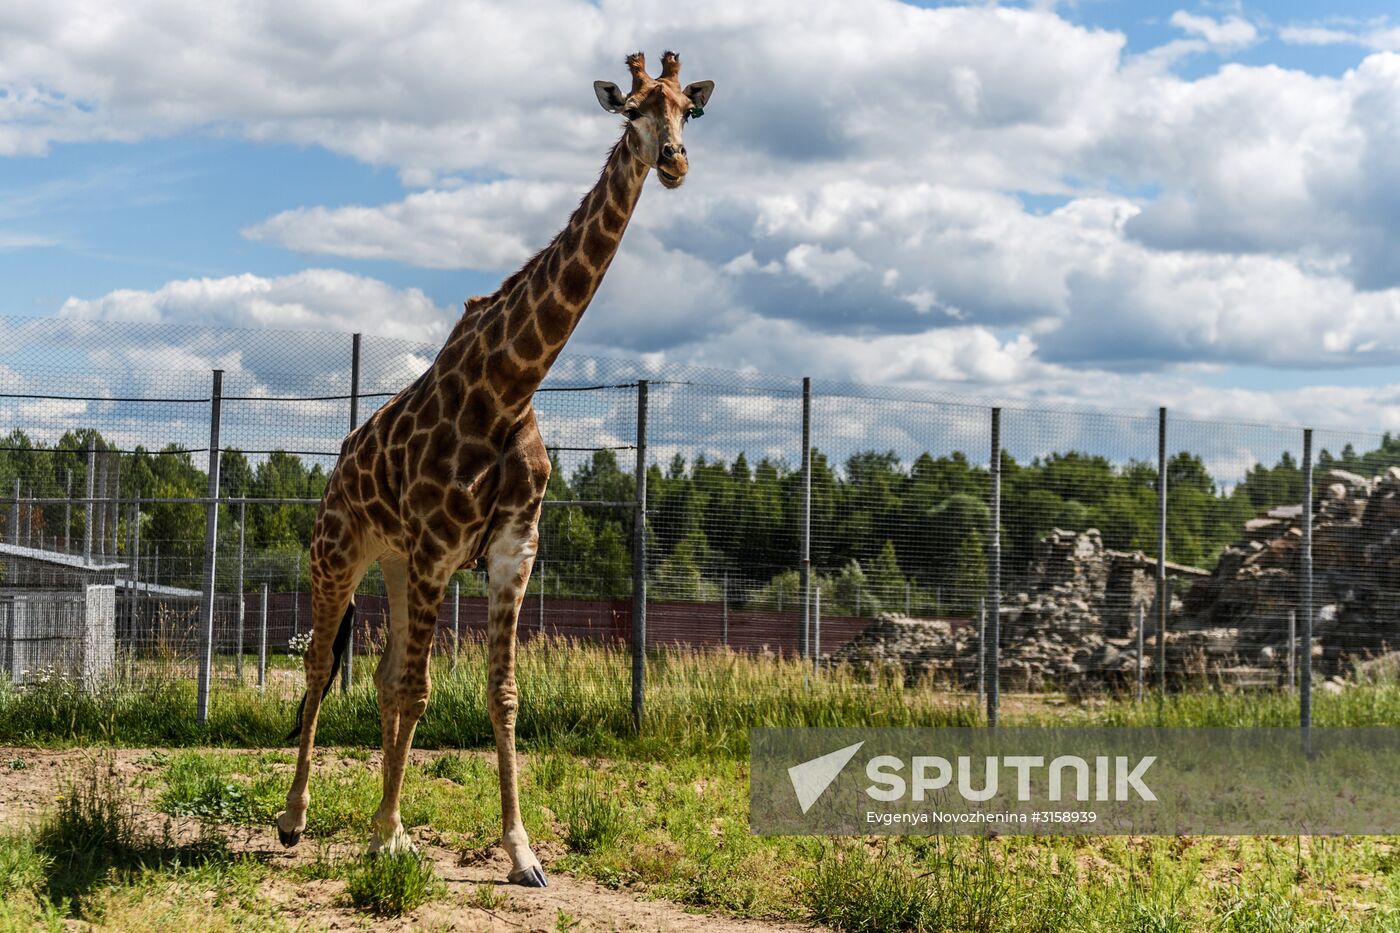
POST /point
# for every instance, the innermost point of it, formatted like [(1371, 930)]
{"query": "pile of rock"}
[(1356, 576), (1075, 622), (918, 647)]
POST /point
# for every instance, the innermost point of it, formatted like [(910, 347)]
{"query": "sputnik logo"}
[(811, 778)]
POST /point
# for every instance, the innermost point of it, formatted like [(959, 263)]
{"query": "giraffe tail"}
[(342, 638)]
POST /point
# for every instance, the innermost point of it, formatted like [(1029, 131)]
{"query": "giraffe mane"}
[(513, 280)]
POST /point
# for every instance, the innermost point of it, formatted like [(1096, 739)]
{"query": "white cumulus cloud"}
[(1229, 34), (971, 193), (315, 299)]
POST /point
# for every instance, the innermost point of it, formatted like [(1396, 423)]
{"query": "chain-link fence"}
[(847, 523)]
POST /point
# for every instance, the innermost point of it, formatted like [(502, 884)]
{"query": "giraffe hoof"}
[(532, 877), (398, 841), (288, 839)]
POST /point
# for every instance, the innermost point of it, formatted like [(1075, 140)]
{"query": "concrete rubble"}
[(1076, 617), (1356, 576), (1075, 623)]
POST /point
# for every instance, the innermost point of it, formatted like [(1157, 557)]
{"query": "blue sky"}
[(1104, 203)]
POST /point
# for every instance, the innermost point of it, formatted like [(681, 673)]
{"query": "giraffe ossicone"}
[(452, 469)]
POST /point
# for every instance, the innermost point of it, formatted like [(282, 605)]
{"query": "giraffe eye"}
[(632, 113)]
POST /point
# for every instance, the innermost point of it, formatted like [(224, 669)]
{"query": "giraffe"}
[(453, 470)]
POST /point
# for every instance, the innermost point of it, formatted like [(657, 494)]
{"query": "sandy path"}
[(26, 792)]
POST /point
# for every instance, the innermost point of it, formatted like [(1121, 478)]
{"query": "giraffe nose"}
[(669, 151)]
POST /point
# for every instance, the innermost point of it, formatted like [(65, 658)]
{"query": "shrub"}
[(591, 818), (391, 884)]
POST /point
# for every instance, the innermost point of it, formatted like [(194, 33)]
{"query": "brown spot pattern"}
[(448, 471)]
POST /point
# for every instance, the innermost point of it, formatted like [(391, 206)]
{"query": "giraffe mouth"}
[(667, 179)]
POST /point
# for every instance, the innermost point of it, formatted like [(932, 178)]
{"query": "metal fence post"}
[(99, 512), (724, 611), (211, 541), (1305, 680), (116, 502), (993, 646), (242, 607), (68, 514), (87, 506), (456, 621), (981, 650), (348, 662), (296, 597), (14, 516), (639, 563), (1141, 619), (143, 606), (130, 528), (1163, 598), (1292, 650), (542, 588), (817, 632), (262, 641), (806, 566), (133, 592)]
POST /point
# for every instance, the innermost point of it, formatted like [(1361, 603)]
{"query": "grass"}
[(90, 859), (455, 768), (391, 885), (592, 818), (90, 845), (205, 787), (23, 869), (851, 889), (666, 812), (488, 898), (678, 829), (572, 697), (576, 698)]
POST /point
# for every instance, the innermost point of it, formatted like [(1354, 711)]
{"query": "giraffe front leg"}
[(511, 555)]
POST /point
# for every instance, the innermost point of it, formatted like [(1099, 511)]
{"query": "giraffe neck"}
[(563, 278), (521, 329)]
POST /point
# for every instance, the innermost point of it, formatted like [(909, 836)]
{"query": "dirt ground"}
[(27, 793)]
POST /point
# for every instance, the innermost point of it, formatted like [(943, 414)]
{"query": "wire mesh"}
[(104, 427), (1079, 546), (1236, 496), (724, 511), (1356, 552), (900, 515)]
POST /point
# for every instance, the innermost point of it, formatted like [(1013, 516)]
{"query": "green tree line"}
[(883, 533)]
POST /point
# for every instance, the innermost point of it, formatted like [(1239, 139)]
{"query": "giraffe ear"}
[(699, 93), (609, 95)]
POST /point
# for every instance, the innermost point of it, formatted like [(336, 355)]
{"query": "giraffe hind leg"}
[(342, 639), (290, 838), (332, 590)]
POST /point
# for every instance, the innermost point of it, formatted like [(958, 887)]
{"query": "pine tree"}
[(970, 576), (886, 579)]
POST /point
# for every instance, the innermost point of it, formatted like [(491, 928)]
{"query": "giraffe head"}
[(657, 110)]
